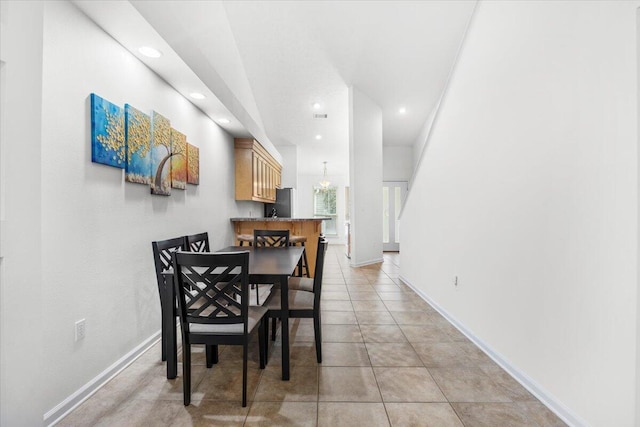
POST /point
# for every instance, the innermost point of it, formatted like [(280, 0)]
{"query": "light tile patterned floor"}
[(389, 359)]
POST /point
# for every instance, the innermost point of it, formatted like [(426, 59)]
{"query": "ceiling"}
[(265, 63)]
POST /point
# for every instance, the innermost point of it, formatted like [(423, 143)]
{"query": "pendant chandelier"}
[(324, 183)]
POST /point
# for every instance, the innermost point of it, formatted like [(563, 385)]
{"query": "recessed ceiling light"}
[(197, 95), (150, 52), (402, 110), (224, 121), (318, 136), (316, 105)]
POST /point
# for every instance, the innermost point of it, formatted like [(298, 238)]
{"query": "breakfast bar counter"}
[(311, 228)]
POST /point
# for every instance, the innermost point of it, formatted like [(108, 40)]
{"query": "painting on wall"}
[(138, 146), (178, 160), (107, 133), (160, 155), (146, 147), (193, 164)]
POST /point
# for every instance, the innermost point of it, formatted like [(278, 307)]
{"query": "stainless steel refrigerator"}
[(284, 207)]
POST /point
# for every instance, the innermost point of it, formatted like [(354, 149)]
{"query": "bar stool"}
[(303, 265), (242, 238)]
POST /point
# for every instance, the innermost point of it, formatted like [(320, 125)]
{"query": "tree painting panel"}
[(107, 133), (160, 155), (193, 164), (178, 160), (138, 137)]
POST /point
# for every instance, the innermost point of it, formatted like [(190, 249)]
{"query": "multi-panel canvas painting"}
[(107, 133), (178, 160), (193, 164), (160, 155), (138, 137), (146, 147)]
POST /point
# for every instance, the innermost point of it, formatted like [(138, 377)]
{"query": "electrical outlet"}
[(455, 281), (81, 329)]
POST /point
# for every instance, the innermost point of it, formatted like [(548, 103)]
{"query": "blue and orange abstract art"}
[(193, 164), (107, 133), (138, 136), (160, 155), (178, 160)]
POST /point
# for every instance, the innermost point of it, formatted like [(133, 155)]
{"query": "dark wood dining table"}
[(266, 265)]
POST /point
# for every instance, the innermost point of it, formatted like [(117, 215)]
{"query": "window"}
[(324, 204)]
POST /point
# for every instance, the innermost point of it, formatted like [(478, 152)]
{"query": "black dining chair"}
[(162, 251), (269, 239), (302, 303), (213, 305), (198, 242)]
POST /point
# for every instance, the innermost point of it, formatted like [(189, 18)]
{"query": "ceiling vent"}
[(319, 116)]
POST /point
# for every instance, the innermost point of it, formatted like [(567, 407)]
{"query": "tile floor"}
[(389, 359)]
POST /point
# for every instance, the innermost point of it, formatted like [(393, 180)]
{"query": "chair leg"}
[(305, 264), (298, 270), (265, 335), (257, 295), (274, 328), (186, 372), (317, 331), (163, 342), (244, 372), (261, 341), (163, 335), (212, 355)]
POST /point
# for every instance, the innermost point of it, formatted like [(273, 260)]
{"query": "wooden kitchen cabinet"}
[(258, 174)]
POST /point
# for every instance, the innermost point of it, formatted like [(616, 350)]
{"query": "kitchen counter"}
[(279, 219), (308, 227)]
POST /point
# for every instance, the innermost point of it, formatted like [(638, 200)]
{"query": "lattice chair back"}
[(213, 291), (198, 242), (162, 251), (270, 238)]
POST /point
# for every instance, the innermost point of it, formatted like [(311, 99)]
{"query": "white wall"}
[(289, 165), (222, 58), (638, 250), (21, 270), (92, 230), (421, 140), (529, 194), (365, 178), (397, 163)]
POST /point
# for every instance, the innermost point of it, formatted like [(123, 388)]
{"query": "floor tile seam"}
[(255, 391), (438, 385), (386, 411), (456, 414), (318, 393), (171, 421), (288, 400), (466, 401), (379, 391), (415, 401), (127, 395), (508, 402), (522, 411)]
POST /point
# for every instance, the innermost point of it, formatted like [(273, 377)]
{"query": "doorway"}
[(393, 193)]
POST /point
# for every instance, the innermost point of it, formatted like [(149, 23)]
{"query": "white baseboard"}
[(550, 401), (76, 399), (369, 262)]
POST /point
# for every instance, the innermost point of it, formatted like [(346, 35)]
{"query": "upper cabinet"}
[(258, 174)]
